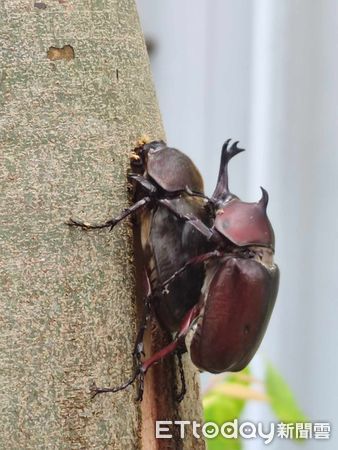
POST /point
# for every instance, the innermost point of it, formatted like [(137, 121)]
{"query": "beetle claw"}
[(93, 390), (114, 222)]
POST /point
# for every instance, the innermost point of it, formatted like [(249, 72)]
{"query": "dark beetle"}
[(165, 179), (172, 181), (216, 276)]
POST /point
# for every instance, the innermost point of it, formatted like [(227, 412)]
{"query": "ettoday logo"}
[(244, 430)]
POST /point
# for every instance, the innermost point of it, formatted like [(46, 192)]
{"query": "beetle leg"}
[(141, 371), (138, 348), (188, 191), (112, 222), (94, 390), (146, 184), (192, 261), (176, 344), (209, 233)]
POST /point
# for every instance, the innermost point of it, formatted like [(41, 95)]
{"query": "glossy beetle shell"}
[(170, 168), (239, 297)]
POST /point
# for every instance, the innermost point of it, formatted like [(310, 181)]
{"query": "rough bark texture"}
[(75, 94)]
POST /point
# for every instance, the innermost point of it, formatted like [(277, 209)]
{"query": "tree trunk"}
[(76, 93)]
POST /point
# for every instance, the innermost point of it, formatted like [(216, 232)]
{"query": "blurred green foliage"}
[(225, 400), (282, 400)]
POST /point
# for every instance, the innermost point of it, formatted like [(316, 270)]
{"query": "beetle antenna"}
[(221, 192)]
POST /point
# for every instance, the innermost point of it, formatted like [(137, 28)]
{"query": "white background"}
[(266, 73)]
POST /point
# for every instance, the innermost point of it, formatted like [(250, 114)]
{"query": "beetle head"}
[(144, 149), (152, 147), (244, 224)]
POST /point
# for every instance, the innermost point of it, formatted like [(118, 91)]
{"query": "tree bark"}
[(76, 93)]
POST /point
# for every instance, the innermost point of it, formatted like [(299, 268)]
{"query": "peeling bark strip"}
[(67, 311)]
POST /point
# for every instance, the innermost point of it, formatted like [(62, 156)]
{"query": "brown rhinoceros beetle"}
[(220, 253), (241, 281)]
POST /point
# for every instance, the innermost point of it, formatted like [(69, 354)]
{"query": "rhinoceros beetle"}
[(162, 174), (241, 280), (209, 262)]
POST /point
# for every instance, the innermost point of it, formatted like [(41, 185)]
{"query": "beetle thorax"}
[(263, 255)]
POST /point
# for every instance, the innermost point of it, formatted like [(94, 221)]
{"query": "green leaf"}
[(220, 408), (282, 400)]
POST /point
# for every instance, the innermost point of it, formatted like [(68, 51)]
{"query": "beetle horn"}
[(221, 191), (263, 202)]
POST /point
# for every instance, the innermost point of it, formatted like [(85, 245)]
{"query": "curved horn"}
[(221, 191), (263, 202)]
